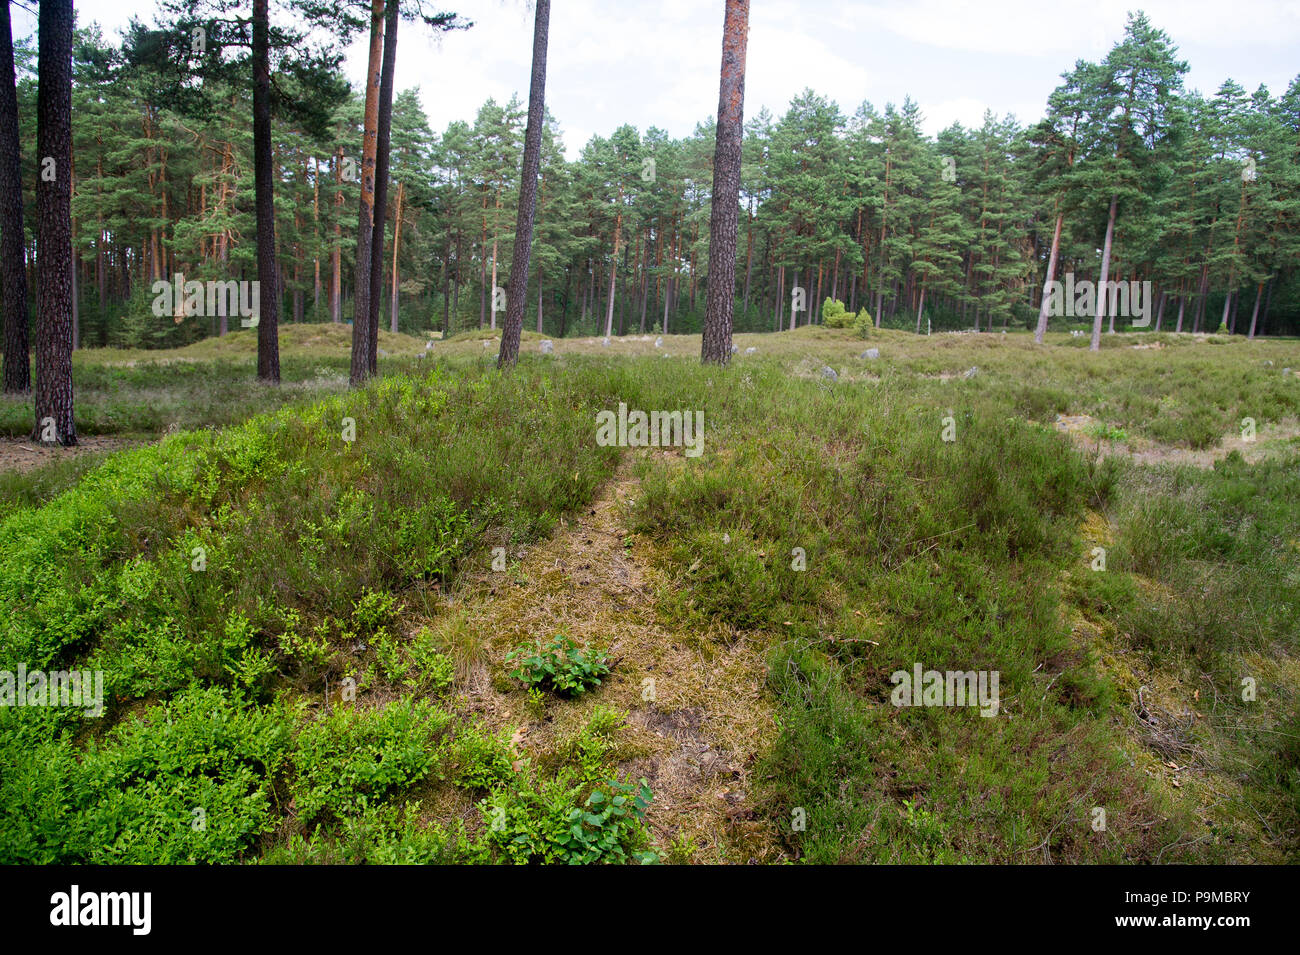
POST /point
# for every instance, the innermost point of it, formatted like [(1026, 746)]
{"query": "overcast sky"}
[(655, 62)]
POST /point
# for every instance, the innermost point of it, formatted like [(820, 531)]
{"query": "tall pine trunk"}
[(1102, 297), (1254, 315), (517, 286), (13, 254), (613, 264), (336, 254), (360, 368), (383, 157), (397, 243), (268, 343), (1041, 328), (54, 417)]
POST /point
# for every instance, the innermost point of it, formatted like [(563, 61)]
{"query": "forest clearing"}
[(502, 452), (770, 685)]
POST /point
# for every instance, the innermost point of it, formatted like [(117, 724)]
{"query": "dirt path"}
[(692, 734), (23, 454), (1270, 439)]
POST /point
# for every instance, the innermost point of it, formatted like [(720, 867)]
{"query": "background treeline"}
[(1201, 196)]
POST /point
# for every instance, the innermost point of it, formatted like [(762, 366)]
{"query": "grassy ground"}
[(751, 605)]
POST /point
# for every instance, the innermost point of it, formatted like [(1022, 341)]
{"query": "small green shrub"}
[(834, 315), (379, 835), (551, 822), (483, 760), (352, 758), (559, 665), (862, 323)]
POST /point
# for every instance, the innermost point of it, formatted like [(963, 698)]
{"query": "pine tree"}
[(715, 347), (517, 290), (13, 255), (54, 391)]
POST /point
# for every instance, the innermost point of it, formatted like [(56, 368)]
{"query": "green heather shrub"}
[(187, 781), (352, 758), (379, 835)]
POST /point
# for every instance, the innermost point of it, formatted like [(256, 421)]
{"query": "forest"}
[(812, 487), (1200, 195)]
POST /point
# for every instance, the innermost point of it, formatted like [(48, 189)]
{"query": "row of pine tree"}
[(1129, 176)]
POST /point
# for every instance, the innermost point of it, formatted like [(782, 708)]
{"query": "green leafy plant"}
[(559, 665), (1106, 432), (599, 831), (354, 758), (551, 822)]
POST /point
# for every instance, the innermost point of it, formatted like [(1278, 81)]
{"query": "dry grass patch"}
[(692, 733)]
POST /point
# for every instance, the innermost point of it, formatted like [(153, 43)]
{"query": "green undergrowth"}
[(245, 594), (233, 577), (840, 522)]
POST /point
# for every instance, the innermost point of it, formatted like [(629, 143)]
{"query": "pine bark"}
[(54, 392), (1041, 328), (397, 243), (268, 344), (360, 366), (1102, 297), (383, 156), (517, 286), (13, 253)]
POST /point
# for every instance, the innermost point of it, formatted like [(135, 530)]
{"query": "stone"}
[(829, 373), (970, 372), (750, 350), (871, 353), (659, 342), (548, 346)]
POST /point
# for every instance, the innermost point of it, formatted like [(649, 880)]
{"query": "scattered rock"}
[(750, 350), (659, 342), (871, 353), (604, 342), (970, 372), (548, 346), (382, 353), (829, 373), (428, 346), (734, 348)]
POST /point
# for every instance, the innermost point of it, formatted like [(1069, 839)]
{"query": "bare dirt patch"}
[(1086, 432), (23, 454)]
